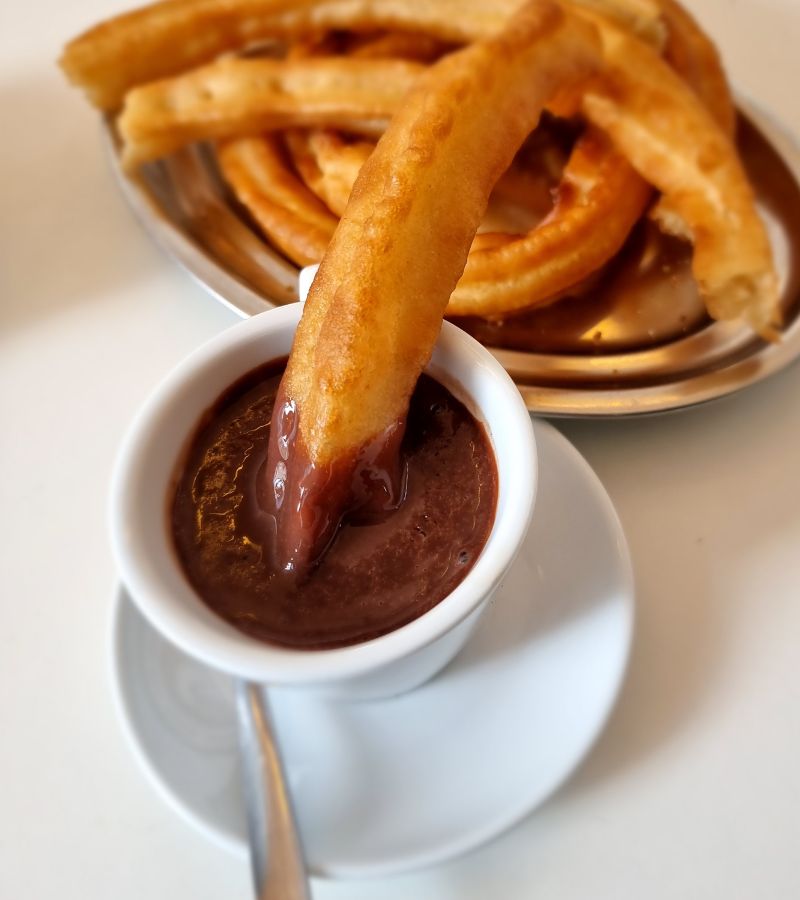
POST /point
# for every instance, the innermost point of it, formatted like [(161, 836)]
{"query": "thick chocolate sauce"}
[(308, 500), (382, 569)]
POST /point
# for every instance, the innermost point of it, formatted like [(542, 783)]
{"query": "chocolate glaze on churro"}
[(385, 564), (308, 500)]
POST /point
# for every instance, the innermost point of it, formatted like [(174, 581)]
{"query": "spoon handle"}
[(276, 854)]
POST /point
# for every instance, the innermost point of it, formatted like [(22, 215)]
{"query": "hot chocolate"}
[(387, 564)]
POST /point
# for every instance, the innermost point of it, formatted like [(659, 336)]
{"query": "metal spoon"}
[(276, 854)]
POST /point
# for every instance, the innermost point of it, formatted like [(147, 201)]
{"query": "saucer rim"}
[(477, 836)]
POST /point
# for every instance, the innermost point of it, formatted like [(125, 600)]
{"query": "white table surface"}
[(694, 789)]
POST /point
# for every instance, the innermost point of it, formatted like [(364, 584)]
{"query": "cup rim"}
[(193, 627)]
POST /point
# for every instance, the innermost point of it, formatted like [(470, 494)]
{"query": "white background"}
[(693, 791)]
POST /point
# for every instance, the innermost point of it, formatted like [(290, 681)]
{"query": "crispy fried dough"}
[(375, 308), (239, 97), (672, 140), (288, 212), (640, 17), (236, 97), (328, 164), (694, 57), (599, 200), (230, 98), (173, 36), (161, 39)]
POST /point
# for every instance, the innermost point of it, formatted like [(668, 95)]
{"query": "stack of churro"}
[(292, 127), (451, 90)]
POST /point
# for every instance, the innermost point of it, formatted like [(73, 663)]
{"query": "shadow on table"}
[(66, 237), (691, 552)]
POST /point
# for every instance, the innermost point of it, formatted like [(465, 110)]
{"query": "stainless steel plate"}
[(609, 362)]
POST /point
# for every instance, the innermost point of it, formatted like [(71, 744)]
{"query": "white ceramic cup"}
[(144, 479)]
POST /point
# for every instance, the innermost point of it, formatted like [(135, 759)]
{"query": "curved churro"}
[(291, 216), (692, 54), (672, 140), (599, 200), (328, 164), (654, 114), (173, 36), (375, 309)]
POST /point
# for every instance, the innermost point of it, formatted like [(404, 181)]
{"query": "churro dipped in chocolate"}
[(376, 306)]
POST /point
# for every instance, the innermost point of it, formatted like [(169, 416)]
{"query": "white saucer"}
[(389, 786)]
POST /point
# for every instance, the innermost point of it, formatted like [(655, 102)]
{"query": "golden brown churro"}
[(375, 309)]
